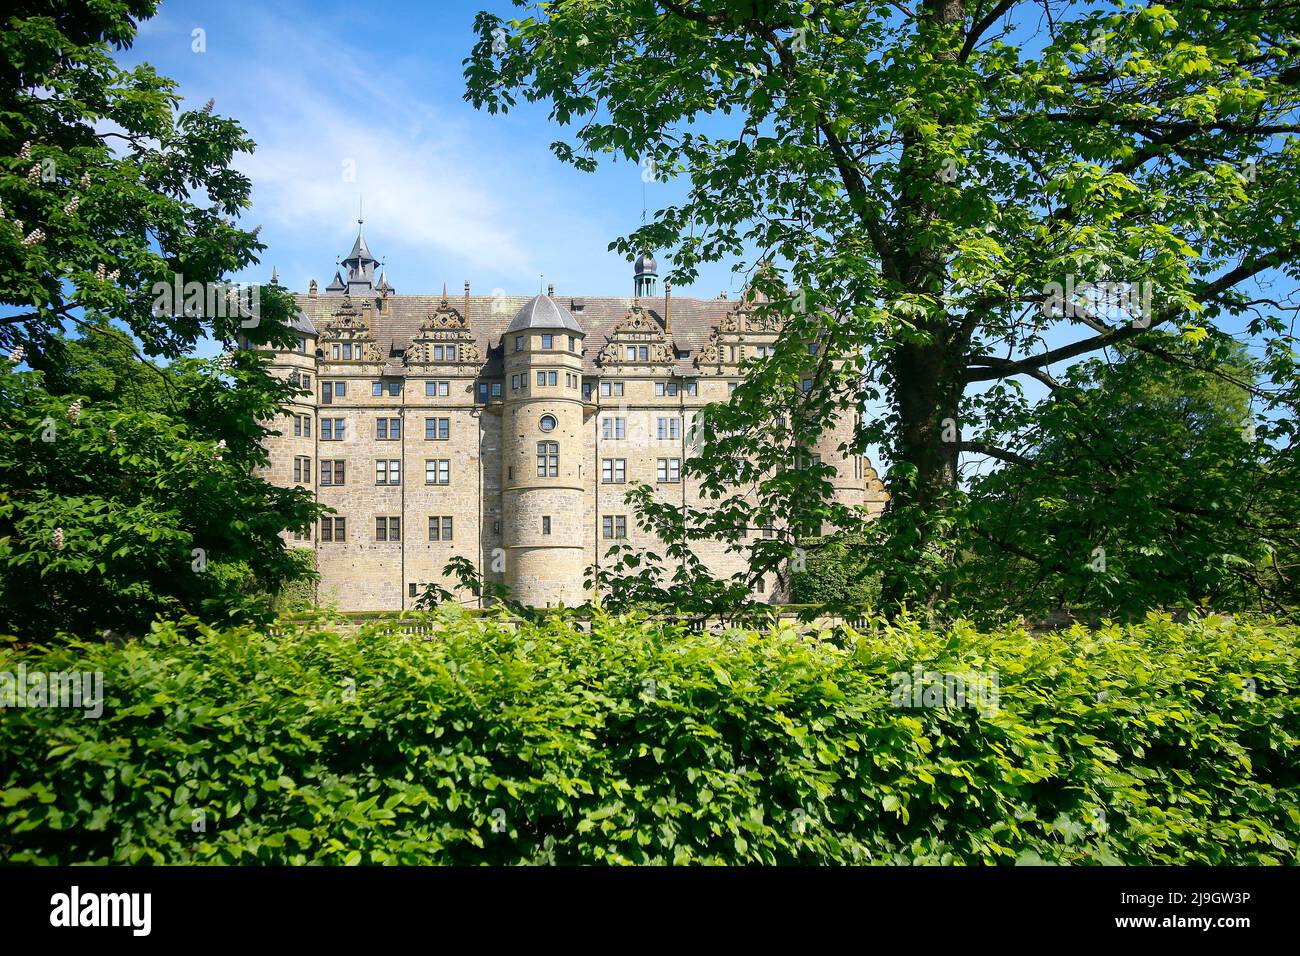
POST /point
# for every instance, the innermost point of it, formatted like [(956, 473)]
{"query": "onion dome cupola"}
[(543, 312), (645, 275)]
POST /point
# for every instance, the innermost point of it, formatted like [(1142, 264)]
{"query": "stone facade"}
[(504, 430)]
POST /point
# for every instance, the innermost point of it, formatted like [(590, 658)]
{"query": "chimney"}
[(668, 308), (465, 311), (311, 290)]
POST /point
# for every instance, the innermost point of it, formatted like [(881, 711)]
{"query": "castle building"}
[(505, 430)]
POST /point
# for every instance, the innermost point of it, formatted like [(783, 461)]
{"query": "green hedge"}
[(538, 743)]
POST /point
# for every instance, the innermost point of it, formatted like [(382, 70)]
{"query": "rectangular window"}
[(437, 471), (613, 471), (612, 429), (437, 429), (481, 391), (333, 529), (548, 459), (670, 428), (514, 383), (806, 385), (297, 469), (332, 429), (519, 343), (388, 529), (546, 524), (614, 526), (586, 391), (611, 389), (439, 528), (306, 425), (334, 353), (410, 589), (437, 389), (541, 378), (388, 472), (496, 389), (297, 426), (331, 471), (692, 388), (548, 340), (552, 378), (388, 429), (668, 389), (631, 353), (670, 469), (812, 348), (731, 387)]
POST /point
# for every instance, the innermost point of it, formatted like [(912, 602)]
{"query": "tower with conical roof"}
[(360, 264), (543, 451)]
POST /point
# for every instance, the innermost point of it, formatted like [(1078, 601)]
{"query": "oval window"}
[(548, 423)]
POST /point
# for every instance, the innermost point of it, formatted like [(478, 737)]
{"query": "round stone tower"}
[(542, 456)]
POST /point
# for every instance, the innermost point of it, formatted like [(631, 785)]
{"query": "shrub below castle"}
[(1154, 743)]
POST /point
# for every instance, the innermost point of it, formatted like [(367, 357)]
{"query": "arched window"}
[(548, 459)]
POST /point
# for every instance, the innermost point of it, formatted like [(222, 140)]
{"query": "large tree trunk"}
[(927, 369)]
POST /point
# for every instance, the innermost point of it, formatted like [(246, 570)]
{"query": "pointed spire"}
[(275, 276)]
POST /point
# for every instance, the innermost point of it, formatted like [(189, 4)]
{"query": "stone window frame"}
[(441, 428), (667, 468), (441, 471), (441, 527), (333, 467), (437, 389), (613, 428), (390, 469), (392, 428), (616, 468), (388, 528), (548, 340), (548, 459), (333, 529), (673, 431), (613, 527), (546, 524), (333, 429)]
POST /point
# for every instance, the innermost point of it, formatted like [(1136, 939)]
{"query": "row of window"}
[(329, 391), (548, 342), (441, 528), (613, 471), (615, 428), (544, 379), (437, 471)]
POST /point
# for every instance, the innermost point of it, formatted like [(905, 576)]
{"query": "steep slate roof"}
[(489, 316)]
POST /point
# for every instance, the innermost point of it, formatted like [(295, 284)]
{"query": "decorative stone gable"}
[(349, 329), (444, 338), (737, 335), (637, 341)]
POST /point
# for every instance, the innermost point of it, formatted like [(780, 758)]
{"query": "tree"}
[(115, 512), (954, 194), (129, 473), (1137, 485)]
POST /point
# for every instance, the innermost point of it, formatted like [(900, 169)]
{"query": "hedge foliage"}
[(543, 743)]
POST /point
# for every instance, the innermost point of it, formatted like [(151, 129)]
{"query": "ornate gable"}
[(739, 333), (347, 335), (444, 338), (637, 340)]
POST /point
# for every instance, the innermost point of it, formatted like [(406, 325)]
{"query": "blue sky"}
[(450, 193)]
